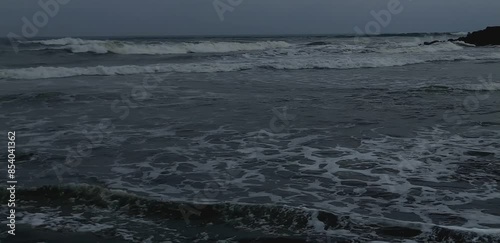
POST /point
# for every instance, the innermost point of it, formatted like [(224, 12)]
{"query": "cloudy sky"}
[(200, 17)]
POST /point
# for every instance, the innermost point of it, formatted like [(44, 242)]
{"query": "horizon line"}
[(241, 35)]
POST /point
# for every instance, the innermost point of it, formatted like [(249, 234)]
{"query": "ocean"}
[(252, 139)]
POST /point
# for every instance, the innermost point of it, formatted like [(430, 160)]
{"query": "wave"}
[(76, 45), (65, 41), (462, 43), (389, 47), (459, 33), (413, 47), (490, 86), (61, 72), (458, 88), (422, 34), (213, 67), (282, 218), (366, 62), (273, 220)]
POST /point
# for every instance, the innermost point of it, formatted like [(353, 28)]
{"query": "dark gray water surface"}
[(411, 146)]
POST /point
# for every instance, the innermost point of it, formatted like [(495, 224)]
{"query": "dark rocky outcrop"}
[(486, 37)]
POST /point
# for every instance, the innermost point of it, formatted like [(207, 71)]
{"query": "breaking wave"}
[(439, 47), (415, 46), (489, 85), (76, 45), (459, 33), (270, 220), (462, 43), (299, 63), (61, 72)]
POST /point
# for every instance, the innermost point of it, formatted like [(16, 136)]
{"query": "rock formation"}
[(486, 37)]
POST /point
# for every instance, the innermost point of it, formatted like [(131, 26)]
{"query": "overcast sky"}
[(199, 17)]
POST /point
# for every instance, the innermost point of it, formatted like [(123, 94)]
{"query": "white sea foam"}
[(459, 33), (354, 62), (419, 48), (475, 230), (65, 41), (287, 63), (129, 48), (462, 43), (60, 72)]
